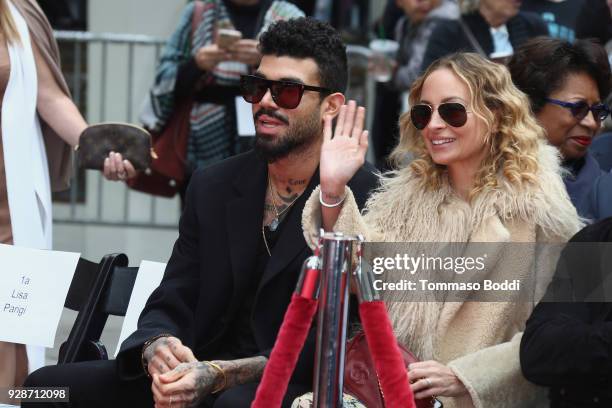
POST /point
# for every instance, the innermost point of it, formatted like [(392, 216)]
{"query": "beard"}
[(297, 138)]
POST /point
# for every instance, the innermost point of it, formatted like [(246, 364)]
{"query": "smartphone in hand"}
[(227, 37)]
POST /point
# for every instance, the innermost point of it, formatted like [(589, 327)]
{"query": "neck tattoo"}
[(276, 220)]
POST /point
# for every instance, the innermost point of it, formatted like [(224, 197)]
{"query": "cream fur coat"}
[(478, 341)]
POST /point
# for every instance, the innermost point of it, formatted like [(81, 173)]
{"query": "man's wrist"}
[(332, 193), (221, 378), (242, 371), (332, 196)]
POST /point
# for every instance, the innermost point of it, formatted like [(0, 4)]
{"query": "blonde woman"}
[(40, 124), (482, 173)]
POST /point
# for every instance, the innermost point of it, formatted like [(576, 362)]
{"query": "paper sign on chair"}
[(33, 288)]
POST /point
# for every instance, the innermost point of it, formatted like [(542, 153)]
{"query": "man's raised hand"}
[(342, 153)]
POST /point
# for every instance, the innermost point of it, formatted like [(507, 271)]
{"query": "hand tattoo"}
[(149, 352), (206, 380)]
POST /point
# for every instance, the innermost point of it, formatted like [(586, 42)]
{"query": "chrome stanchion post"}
[(336, 266)]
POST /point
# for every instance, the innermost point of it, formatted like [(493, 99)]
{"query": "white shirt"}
[(501, 42)]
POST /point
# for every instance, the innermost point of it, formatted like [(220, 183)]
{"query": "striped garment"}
[(212, 126)]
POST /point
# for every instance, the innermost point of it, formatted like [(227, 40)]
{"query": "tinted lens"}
[(287, 95), (453, 113), (420, 116), (600, 112), (580, 110), (252, 88)]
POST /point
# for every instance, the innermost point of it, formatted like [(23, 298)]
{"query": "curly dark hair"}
[(309, 38), (540, 66)]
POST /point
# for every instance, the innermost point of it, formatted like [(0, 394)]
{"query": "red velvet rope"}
[(387, 356), (284, 356)]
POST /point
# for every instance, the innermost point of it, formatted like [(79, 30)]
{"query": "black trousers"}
[(95, 384)]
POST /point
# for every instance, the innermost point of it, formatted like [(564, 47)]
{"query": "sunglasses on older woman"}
[(580, 109), (453, 113), (286, 94)]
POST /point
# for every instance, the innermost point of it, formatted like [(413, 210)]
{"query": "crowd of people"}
[(504, 102), (427, 30)]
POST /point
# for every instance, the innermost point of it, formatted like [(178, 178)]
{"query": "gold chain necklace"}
[(263, 234), (276, 220)]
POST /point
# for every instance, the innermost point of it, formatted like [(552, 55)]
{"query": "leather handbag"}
[(167, 175), (97, 141), (361, 380)]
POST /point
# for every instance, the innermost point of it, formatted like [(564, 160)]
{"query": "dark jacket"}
[(449, 37), (206, 278), (579, 184), (568, 345), (600, 198), (594, 21)]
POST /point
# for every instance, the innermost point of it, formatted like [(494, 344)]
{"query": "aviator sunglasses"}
[(286, 94), (452, 113), (581, 109)]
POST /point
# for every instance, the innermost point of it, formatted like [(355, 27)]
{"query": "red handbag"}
[(166, 175), (361, 380)]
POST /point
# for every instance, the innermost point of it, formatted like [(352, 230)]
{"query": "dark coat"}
[(449, 37), (600, 198), (206, 278), (580, 184), (568, 345), (594, 21)]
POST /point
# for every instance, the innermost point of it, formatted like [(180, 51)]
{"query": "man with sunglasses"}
[(206, 331)]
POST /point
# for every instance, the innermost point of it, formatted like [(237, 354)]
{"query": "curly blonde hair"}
[(513, 133)]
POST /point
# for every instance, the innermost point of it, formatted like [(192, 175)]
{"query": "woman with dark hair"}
[(566, 84)]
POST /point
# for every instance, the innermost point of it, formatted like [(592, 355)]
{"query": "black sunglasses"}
[(286, 94), (453, 113), (580, 109)]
